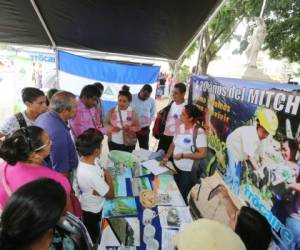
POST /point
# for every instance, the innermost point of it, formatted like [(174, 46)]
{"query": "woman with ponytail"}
[(122, 123), (24, 153)]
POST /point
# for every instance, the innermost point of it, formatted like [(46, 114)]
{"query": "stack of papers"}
[(154, 167)]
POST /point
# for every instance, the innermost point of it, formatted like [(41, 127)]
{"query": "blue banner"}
[(76, 72), (254, 127)]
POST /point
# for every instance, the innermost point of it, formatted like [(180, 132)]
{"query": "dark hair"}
[(254, 229), (125, 92), (21, 144), (147, 87), (99, 85), (293, 145), (88, 141), (61, 101), (30, 212), (30, 94), (193, 112), (50, 93), (181, 87), (90, 91)]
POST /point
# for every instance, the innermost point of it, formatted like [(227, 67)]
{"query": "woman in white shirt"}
[(183, 149), (122, 123)]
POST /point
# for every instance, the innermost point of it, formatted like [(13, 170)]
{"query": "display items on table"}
[(139, 184), (120, 232), (123, 158), (119, 184), (167, 236), (145, 155), (140, 171), (148, 199), (121, 206), (165, 186), (121, 172), (174, 217), (155, 167)]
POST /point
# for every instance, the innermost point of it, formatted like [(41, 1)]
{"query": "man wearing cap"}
[(243, 144)]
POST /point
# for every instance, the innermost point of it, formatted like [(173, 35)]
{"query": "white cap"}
[(204, 234)]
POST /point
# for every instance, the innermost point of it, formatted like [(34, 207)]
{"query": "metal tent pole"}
[(37, 11), (215, 12), (45, 27)]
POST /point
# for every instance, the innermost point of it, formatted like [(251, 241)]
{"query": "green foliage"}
[(183, 73), (282, 18), (283, 26)]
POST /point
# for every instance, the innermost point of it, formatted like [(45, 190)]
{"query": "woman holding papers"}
[(189, 144), (122, 123)]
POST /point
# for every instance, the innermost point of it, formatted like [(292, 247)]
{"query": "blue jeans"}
[(232, 176)]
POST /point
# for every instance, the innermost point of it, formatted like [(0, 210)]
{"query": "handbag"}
[(129, 138), (160, 122)]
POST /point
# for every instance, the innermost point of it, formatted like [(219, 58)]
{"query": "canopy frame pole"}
[(42, 21), (46, 29), (215, 12)]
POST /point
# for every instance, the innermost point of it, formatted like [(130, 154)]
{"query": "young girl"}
[(94, 182), (122, 123)]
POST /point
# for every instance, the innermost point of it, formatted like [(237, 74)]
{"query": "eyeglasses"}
[(43, 146)]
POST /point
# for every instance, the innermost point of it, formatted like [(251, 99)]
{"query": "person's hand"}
[(115, 129), (164, 161), (177, 157), (294, 186)]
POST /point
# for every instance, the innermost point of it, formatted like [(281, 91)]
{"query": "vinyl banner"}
[(75, 72), (254, 129)]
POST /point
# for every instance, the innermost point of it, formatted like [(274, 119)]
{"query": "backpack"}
[(160, 121), (205, 167), (21, 120)]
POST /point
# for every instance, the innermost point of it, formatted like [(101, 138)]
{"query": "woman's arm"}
[(199, 154), (168, 154)]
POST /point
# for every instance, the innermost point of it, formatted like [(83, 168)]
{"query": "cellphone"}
[(214, 192)]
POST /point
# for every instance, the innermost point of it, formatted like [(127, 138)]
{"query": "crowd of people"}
[(59, 137)]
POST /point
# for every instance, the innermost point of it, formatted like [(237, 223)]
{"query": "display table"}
[(122, 217)]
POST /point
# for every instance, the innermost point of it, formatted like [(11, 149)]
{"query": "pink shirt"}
[(85, 118), (22, 173)]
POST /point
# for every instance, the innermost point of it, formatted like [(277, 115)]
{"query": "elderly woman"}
[(24, 153), (122, 123), (183, 149)]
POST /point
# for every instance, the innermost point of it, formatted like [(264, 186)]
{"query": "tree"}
[(282, 18), (283, 27), (220, 30)]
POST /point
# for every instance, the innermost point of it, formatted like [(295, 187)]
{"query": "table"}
[(157, 184)]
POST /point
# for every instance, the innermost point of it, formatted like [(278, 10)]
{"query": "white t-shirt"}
[(243, 142), (11, 124), (90, 178), (183, 142), (173, 120), (127, 118)]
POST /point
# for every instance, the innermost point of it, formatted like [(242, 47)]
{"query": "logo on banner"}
[(108, 91)]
